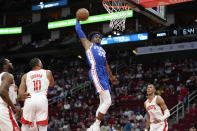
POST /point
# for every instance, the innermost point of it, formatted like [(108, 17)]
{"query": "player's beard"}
[(97, 43)]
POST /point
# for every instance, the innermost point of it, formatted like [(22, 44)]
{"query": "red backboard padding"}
[(155, 3)]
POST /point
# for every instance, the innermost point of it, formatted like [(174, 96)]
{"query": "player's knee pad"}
[(105, 106), (107, 102)]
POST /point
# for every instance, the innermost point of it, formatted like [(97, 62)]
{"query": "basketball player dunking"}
[(99, 73), (7, 119), (157, 111), (35, 110)]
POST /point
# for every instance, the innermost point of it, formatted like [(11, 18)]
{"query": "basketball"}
[(82, 14)]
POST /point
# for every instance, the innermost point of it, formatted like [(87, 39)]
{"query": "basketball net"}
[(117, 21)]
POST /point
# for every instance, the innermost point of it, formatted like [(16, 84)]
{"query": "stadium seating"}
[(186, 122)]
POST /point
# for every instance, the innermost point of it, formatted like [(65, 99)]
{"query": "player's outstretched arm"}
[(111, 77), (85, 42), (164, 108), (7, 80), (148, 120), (50, 78)]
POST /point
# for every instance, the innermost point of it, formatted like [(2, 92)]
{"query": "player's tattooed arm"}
[(148, 119), (7, 80), (161, 103), (111, 77), (164, 108)]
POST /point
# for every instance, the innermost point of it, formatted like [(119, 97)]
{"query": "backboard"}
[(154, 9), (156, 13)]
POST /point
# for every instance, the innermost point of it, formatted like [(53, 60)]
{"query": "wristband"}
[(166, 115)]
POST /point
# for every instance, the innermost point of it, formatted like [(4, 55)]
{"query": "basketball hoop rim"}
[(117, 7)]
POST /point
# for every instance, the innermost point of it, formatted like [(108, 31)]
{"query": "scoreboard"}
[(174, 32)]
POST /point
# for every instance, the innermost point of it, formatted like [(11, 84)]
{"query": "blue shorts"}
[(99, 77)]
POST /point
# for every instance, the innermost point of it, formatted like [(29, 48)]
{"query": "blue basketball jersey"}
[(96, 56), (97, 60)]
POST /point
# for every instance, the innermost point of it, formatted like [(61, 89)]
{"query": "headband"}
[(94, 36)]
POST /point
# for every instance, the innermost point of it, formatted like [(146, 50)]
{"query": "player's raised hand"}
[(156, 121)]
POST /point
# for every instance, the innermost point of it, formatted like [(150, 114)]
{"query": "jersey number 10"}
[(37, 85)]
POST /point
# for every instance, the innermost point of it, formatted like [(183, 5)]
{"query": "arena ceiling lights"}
[(11, 30), (91, 19)]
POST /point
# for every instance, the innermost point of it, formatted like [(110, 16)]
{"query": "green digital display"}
[(11, 30), (91, 19)]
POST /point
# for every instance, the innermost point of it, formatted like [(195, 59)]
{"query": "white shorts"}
[(162, 126), (7, 119), (35, 110)]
